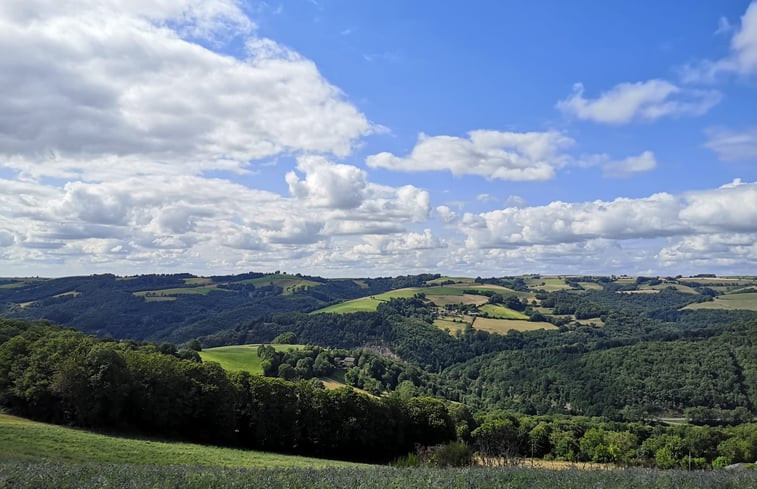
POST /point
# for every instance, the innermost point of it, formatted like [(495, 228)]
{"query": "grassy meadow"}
[(31, 441), (240, 357), (502, 326), (747, 301)]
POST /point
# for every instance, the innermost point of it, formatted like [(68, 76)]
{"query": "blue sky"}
[(349, 138)]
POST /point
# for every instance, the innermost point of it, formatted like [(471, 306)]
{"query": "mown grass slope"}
[(22, 439)]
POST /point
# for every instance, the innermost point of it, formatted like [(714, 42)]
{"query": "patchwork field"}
[(32, 441), (441, 296), (747, 301), (502, 326)]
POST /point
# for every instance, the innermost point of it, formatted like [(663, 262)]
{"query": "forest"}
[(599, 385)]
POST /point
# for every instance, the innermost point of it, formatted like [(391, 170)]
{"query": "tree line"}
[(62, 376)]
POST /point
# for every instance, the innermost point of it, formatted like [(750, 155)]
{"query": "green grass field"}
[(32, 441), (502, 326), (729, 302), (501, 312), (370, 303), (240, 357)]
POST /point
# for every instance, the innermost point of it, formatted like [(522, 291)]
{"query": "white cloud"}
[(328, 185), (446, 214), (89, 84), (731, 208), (647, 100), (742, 59), (733, 145), (629, 166), (490, 154)]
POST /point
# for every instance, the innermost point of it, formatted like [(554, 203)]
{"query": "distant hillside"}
[(177, 307)]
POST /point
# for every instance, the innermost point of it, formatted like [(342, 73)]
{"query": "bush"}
[(453, 454)]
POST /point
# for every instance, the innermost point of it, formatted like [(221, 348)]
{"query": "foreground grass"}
[(32, 442), (20, 474)]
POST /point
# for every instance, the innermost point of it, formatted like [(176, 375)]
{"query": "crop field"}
[(447, 322), (240, 357), (747, 301), (502, 326), (501, 312), (26, 440), (443, 300), (23, 474)]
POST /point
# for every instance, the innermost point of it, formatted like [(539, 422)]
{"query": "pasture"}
[(502, 326), (289, 283), (501, 312), (29, 441), (241, 357), (747, 301)]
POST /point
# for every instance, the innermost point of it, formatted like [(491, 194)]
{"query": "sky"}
[(376, 138)]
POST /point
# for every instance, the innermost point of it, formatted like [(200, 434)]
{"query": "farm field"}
[(501, 312), (22, 474), (548, 284), (502, 326), (443, 300), (240, 357), (447, 322), (747, 301), (27, 440), (443, 295)]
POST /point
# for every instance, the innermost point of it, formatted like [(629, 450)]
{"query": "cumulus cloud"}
[(742, 59), (88, 81), (491, 154), (733, 145), (731, 208), (328, 185), (646, 101)]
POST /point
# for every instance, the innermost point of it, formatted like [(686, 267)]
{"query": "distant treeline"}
[(105, 305), (62, 376)]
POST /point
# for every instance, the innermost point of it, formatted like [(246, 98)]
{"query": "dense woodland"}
[(578, 392)]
